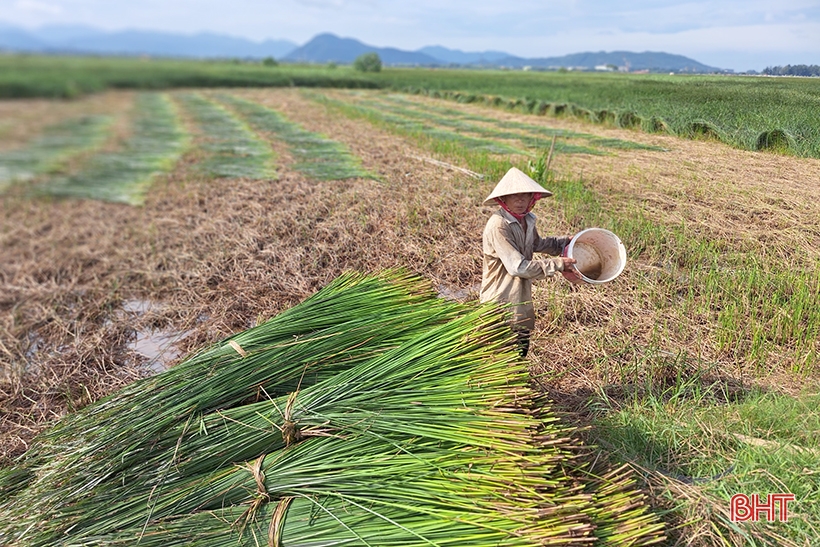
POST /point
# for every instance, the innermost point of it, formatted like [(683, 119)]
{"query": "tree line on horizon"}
[(792, 70)]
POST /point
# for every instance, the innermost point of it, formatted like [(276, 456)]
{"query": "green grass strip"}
[(232, 148), (50, 151), (460, 126), (125, 176), (316, 156), (419, 127), (502, 124), (621, 144), (488, 165), (533, 135), (445, 127)]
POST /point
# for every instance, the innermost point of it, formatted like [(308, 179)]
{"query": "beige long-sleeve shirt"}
[(509, 268)]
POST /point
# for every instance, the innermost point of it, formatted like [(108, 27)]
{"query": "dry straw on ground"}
[(216, 254)]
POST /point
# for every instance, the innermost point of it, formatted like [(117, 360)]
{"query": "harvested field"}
[(211, 256), (83, 282)]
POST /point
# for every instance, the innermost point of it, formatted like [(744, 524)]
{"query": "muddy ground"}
[(82, 281)]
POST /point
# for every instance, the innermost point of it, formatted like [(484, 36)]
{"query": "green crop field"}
[(751, 113), (67, 77), (746, 112)]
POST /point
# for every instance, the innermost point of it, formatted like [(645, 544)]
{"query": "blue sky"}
[(734, 34)]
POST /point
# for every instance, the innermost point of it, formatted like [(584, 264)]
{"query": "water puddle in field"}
[(13, 370), (158, 347), (154, 349), (138, 307), (35, 343), (459, 294)]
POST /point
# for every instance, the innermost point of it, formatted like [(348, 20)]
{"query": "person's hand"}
[(568, 263)]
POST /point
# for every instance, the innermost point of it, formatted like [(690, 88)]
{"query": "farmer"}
[(510, 239)]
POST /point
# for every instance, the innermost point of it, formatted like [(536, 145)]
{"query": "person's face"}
[(517, 203)]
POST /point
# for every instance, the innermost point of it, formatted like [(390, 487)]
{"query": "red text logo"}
[(743, 507)]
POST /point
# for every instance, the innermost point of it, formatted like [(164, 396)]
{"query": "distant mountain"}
[(458, 57), (15, 39), (67, 39), (648, 60), (56, 34), (326, 48)]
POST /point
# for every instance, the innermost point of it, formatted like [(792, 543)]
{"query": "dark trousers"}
[(523, 341)]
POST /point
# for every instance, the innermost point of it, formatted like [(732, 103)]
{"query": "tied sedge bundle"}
[(372, 414)]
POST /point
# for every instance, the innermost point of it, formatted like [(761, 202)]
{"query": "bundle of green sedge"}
[(372, 414)]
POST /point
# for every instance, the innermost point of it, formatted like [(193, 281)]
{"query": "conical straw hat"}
[(515, 182)]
